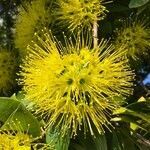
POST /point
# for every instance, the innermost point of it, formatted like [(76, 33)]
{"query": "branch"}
[(95, 34)]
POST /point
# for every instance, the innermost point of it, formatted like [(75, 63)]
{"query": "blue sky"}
[(147, 79)]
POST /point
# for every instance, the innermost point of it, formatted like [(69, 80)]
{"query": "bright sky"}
[(147, 79)]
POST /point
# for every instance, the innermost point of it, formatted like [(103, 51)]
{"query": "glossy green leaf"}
[(88, 142), (139, 109), (121, 140), (7, 107), (141, 106), (54, 137), (143, 116), (128, 119), (115, 142), (137, 3), (12, 110), (100, 142)]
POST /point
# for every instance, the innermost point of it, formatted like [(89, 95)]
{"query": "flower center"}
[(82, 81), (69, 81)]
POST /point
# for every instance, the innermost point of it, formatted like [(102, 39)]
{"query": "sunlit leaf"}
[(12, 110), (137, 3)]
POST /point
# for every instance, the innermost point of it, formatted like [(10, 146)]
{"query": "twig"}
[(95, 34)]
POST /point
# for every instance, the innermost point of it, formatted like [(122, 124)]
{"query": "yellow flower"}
[(80, 13), (135, 36), (7, 71), (30, 19), (14, 141), (20, 140), (75, 85)]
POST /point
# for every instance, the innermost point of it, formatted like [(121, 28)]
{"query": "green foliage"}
[(54, 136), (140, 110), (137, 116), (87, 142), (12, 110), (137, 3)]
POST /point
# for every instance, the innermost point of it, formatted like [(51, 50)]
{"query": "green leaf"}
[(54, 137), (137, 3), (129, 119), (115, 142), (7, 107), (143, 116), (139, 109), (142, 99), (128, 141), (88, 142), (100, 142), (121, 140), (120, 110), (140, 106), (12, 110)]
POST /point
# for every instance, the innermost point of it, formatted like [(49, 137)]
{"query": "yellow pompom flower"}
[(8, 66), (15, 142), (10, 140), (30, 19), (20, 140), (135, 36), (80, 13), (75, 85)]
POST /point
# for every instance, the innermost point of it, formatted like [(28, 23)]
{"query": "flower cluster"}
[(32, 17), (80, 13), (18, 141), (75, 85), (135, 36), (13, 137)]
